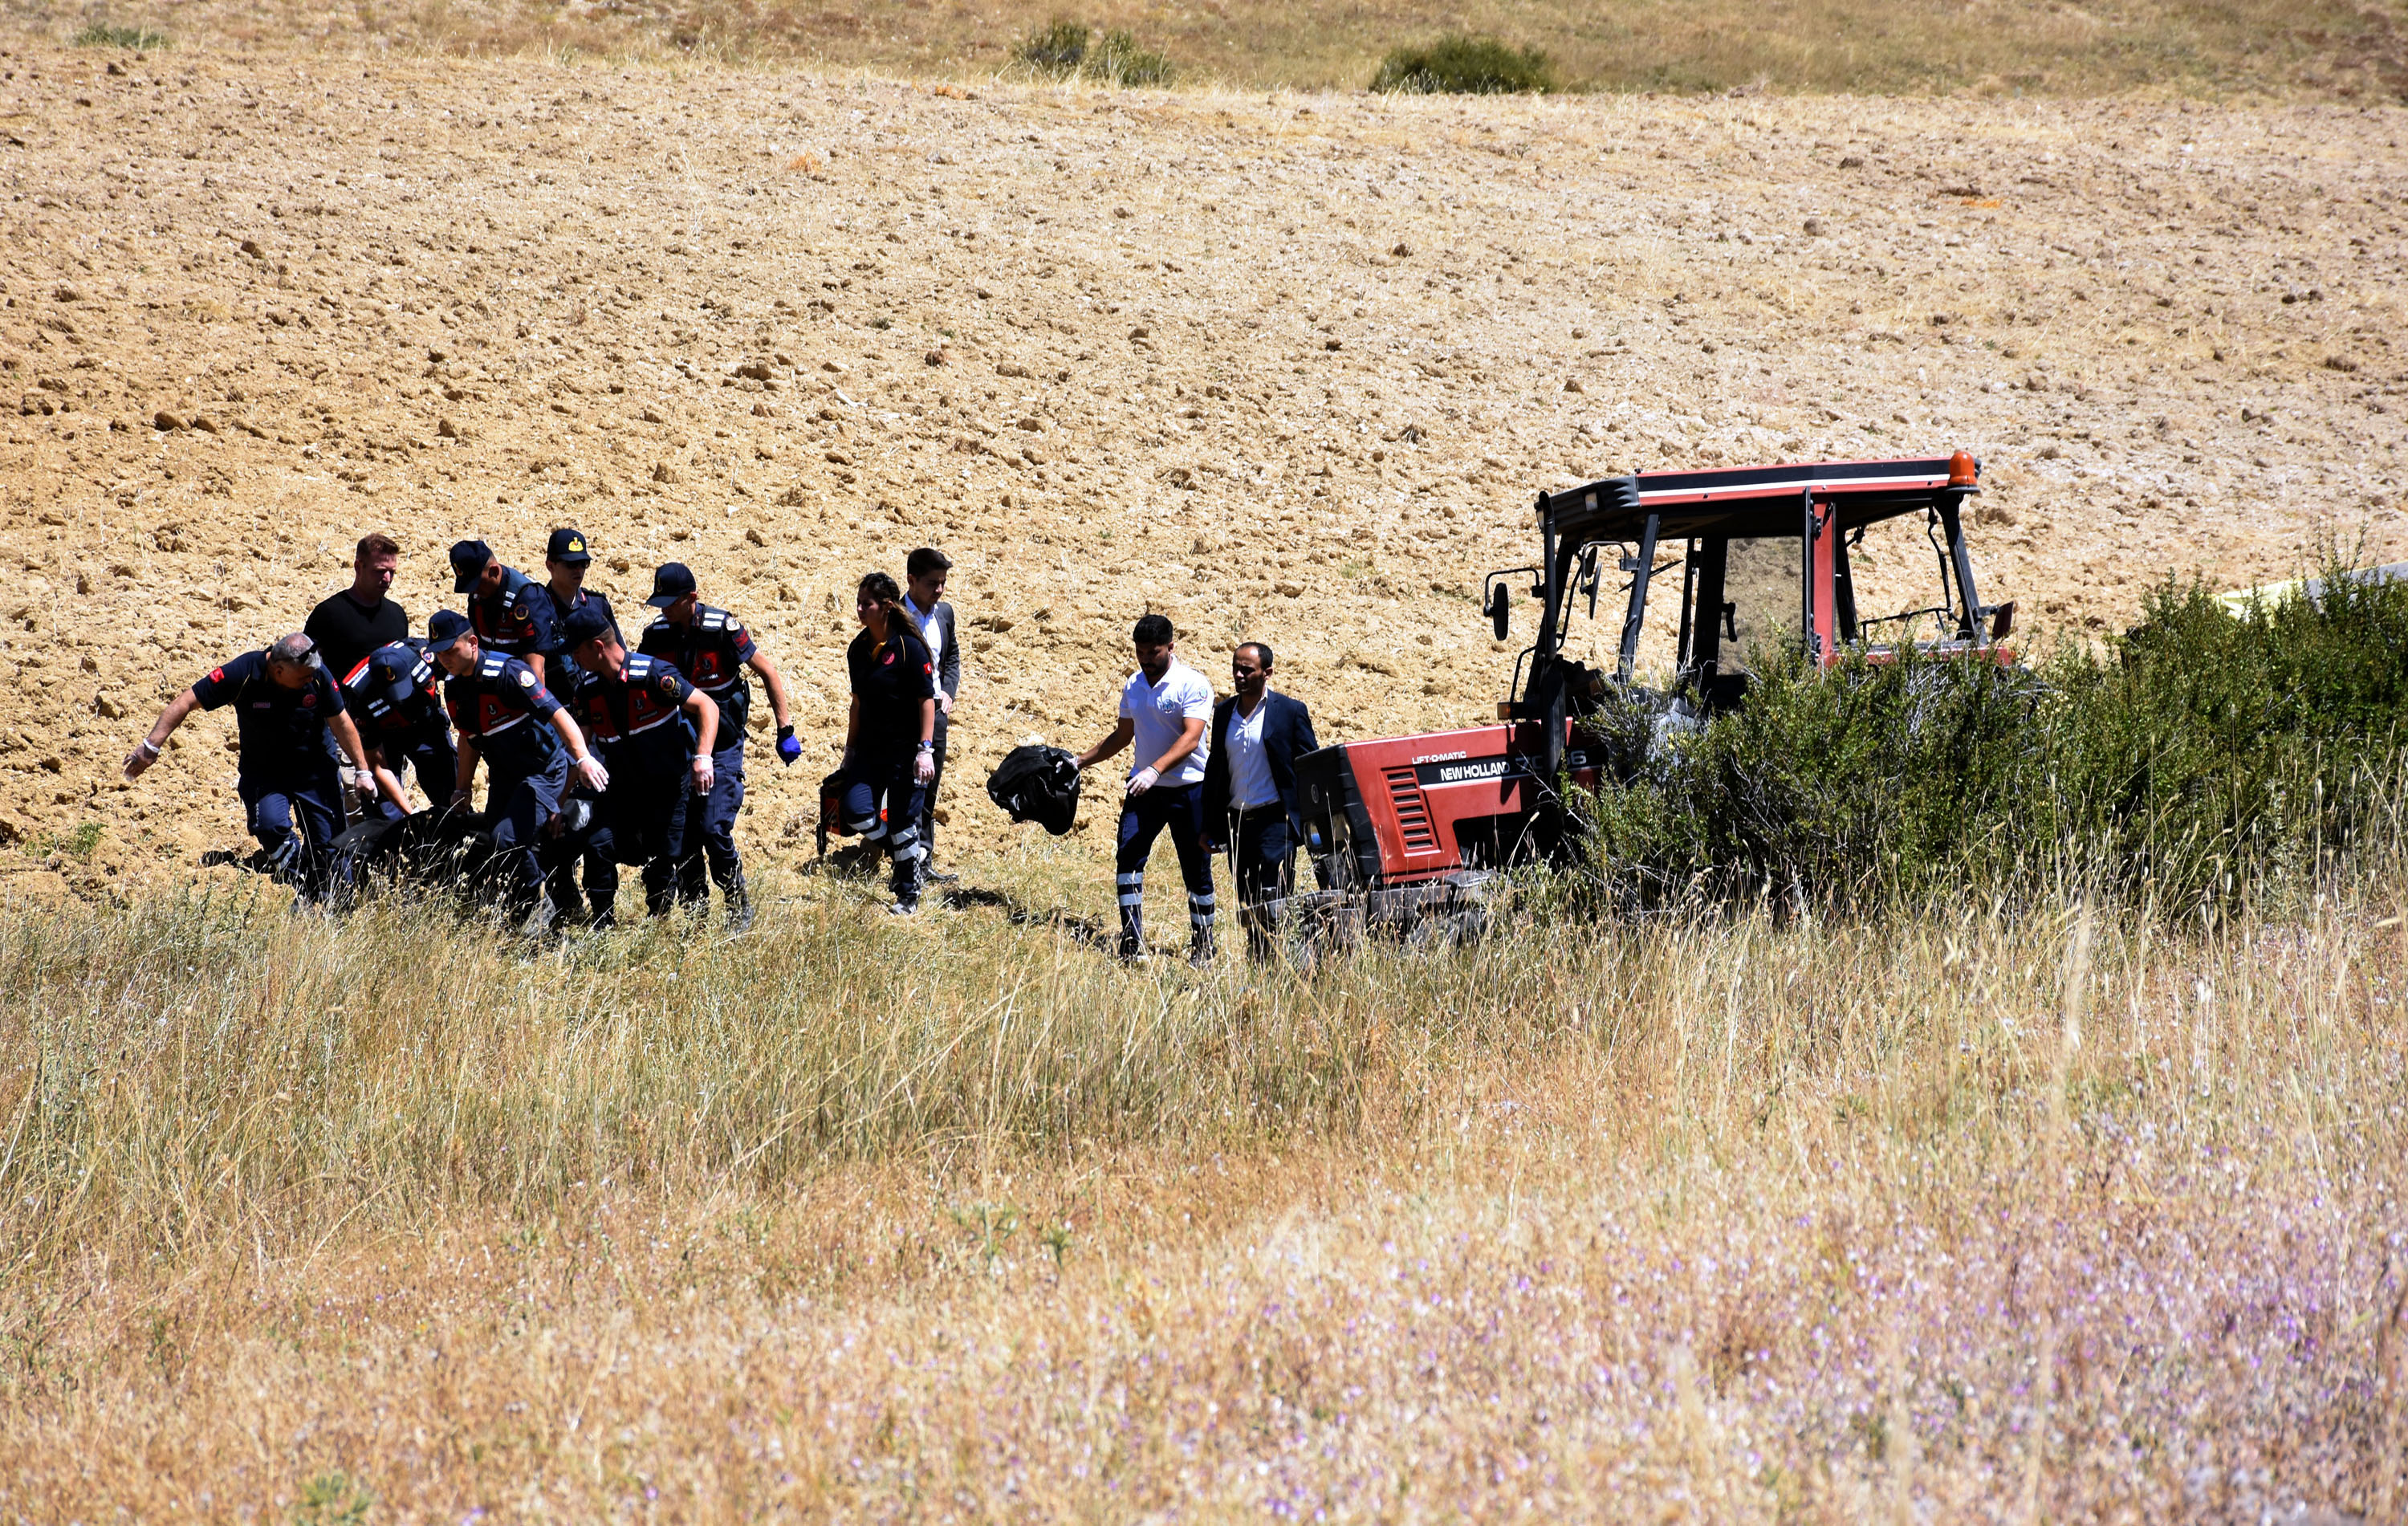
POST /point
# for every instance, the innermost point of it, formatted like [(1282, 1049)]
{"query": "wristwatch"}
[(927, 746)]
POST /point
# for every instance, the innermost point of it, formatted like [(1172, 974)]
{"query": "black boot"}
[(740, 905)]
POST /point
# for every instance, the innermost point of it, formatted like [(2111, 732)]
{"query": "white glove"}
[(364, 781), (924, 767), (1141, 781), (591, 771), (704, 775)]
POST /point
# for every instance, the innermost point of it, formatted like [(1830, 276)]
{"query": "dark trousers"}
[(439, 768), (591, 846), (1263, 851), (295, 815), (928, 796), (518, 806), (1142, 819), (709, 832), (885, 804), (647, 817)]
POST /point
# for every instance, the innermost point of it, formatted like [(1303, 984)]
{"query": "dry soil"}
[(1279, 365)]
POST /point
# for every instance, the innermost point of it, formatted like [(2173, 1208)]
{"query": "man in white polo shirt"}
[(1165, 708)]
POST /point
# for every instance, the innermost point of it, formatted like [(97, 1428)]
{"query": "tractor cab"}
[(1764, 556), (1832, 557)]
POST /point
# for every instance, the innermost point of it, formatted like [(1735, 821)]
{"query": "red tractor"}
[(1406, 830)]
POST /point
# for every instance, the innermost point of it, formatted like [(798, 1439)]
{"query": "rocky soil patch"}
[(1288, 366)]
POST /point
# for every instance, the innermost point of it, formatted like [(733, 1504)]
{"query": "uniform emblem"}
[(526, 678), (519, 611), (575, 543), (217, 675)]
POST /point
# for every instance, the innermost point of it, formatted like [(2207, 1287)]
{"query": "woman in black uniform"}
[(889, 738)]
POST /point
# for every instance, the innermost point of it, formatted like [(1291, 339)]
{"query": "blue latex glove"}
[(788, 748)]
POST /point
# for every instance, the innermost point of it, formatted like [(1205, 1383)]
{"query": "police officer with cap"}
[(392, 694), (284, 702), (712, 648), (657, 733), (531, 747), (565, 558), (510, 615)]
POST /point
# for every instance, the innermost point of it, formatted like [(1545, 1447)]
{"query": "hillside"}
[(1288, 366)]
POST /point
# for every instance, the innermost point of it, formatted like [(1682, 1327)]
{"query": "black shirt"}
[(890, 679), (347, 630), (282, 730)]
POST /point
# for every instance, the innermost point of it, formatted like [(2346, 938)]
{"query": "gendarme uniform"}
[(291, 792), (517, 621), (638, 722), (504, 712), (394, 699), (711, 652), (590, 844)]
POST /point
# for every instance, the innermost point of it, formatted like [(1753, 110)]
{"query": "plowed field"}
[(1281, 366)]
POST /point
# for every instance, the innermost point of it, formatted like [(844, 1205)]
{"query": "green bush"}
[(1465, 65), (102, 35), (2199, 760), (1072, 48)]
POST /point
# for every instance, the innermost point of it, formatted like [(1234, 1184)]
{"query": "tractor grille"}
[(1412, 811)]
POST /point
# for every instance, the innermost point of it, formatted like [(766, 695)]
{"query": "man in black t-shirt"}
[(351, 622)]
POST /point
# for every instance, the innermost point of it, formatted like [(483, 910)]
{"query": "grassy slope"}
[(1802, 1223), (2317, 48)]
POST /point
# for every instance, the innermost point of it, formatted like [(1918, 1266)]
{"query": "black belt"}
[(1245, 813)]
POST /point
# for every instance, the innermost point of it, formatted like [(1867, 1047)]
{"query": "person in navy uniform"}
[(565, 558), (712, 648), (394, 696), (531, 747), (890, 748), (509, 614), (284, 703), (1250, 804), (656, 732)]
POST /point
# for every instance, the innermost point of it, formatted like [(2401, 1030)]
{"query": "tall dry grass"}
[(1975, 1214), (2317, 48)]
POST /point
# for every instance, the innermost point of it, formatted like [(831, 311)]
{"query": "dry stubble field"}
[(1731, 1224)]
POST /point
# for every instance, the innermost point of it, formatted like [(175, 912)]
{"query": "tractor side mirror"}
[(1500, 612), (2002, 620)]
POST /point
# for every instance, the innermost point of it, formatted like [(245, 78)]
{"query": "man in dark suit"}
[(924, 596), (1249, 796)]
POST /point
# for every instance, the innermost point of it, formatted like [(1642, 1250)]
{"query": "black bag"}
[(1039, 785)]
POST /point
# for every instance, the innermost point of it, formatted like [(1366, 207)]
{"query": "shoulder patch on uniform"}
[(217, 675), (668, 681), (526, 678)]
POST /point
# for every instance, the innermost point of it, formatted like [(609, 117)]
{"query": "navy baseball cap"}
[(394, 674), (568, 547), (444, 628), (673, 582), (583, 624), (469, 559)]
